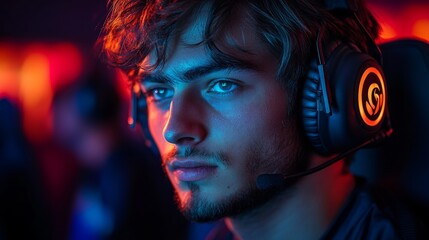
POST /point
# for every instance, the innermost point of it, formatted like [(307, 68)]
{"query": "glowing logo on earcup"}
[(371, 96), (374, 94)]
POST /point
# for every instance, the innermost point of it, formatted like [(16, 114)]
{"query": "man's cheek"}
[(156, 126)]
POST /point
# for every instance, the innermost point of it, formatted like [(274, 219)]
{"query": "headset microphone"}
[(275, 181)]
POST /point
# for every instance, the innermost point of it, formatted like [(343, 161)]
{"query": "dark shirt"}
[(369, 213)]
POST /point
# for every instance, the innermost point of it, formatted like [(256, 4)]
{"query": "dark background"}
[(80, 21), (49, 20)]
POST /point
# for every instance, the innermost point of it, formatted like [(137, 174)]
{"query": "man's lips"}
[(191, 170)]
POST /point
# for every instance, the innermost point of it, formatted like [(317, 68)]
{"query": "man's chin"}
[(196, 214), (200, 208), (196, 207)]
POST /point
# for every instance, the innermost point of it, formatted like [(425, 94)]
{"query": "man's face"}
[(219, 126)]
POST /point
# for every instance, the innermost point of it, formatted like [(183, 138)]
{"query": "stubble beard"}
[(283, 156)]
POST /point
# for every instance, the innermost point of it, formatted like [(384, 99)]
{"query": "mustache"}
[(195, 152)]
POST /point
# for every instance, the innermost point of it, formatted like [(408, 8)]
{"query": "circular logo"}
[(371, 96)]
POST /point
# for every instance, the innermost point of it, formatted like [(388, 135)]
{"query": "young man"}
[(223, 83)]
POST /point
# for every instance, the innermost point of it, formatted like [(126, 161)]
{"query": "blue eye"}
[(223, 87), (159, 94)]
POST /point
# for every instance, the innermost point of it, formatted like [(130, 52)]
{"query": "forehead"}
[(238, 40)]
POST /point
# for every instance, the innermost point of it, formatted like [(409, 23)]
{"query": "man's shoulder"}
[(374, 213)]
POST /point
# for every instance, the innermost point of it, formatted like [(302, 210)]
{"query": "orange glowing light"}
[(34, 73), (136, 88), (381, 100), (402, 21), (29, 74), (36, 94), (387, 32), (421, 28)]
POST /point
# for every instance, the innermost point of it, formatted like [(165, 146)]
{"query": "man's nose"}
[(185, 124)]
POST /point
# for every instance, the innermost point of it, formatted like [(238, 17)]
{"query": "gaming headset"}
[(344, 101)]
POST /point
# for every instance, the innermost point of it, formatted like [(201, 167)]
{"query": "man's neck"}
[(304, 212)]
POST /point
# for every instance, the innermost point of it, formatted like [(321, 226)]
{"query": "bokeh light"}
[(402, 20), (30, 73)]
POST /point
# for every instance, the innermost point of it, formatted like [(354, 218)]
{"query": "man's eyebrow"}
[(154, 78), (197, 72), (200, 71)]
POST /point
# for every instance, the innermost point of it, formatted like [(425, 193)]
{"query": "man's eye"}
[(159, 94), (223, 87)]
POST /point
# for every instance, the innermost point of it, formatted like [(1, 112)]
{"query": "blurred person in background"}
[(22, 201), (121, 191)]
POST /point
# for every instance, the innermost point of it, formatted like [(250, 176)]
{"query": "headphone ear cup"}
[(139, 115), (310, 101), (142, 119), (358, 93)]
